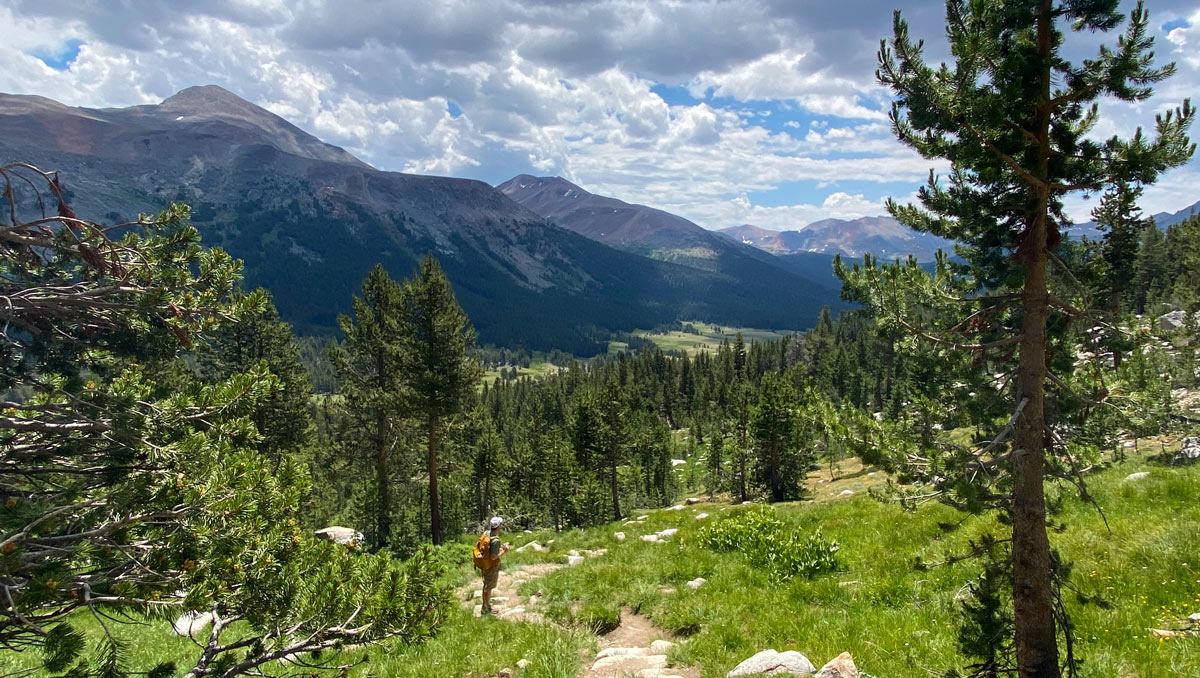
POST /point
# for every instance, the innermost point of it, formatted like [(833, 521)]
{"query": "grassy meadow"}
[(709, 339), (895, 620)]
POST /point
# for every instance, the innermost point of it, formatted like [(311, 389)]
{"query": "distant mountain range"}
[(884, 237), (310, 219), (1162, 220), (661, 235)]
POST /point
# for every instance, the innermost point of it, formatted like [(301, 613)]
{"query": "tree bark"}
[(383, 518), (616, 490), (1035, 639), (435, 516)]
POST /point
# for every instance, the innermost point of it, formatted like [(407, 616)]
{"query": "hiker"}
[(487, 554)]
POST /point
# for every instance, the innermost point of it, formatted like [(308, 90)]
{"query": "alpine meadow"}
[(599, 339)]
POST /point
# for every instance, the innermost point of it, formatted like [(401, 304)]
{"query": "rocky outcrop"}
[(1170, 322)]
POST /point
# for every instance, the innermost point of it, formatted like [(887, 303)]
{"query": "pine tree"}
[(440, 374), (283, 420), (775, 425), (1151, 282), (370, 377), (613, 439), (1119, 218), (1012, 114), (128, 496), (1183, 251)]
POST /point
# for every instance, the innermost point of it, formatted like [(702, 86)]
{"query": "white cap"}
[(495, 522)]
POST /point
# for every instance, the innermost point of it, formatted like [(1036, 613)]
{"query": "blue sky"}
[(723, 111)]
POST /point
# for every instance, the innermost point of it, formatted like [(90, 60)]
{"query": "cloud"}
[(783, 97)]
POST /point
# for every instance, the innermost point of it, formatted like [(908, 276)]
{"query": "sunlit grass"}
[(895, 620)]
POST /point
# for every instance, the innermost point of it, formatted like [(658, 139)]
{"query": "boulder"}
[(346, 536), (619, 665), (772, 663), (661, 646), (845, 493), (1194, 617), (652, 538), (641, 518), (572, 552), (190, 623), (677, 507), (574, 560), (504, 673), (667, 533), (696, 583), (701, 516), (623, 652), (841, 666), (1172, 321), (532, 546), (692, 500), (619, 536), (1189, 449), (1133, 477), (678, 462)]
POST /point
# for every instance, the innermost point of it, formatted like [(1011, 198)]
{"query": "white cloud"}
[(553, 86), (787, 75)]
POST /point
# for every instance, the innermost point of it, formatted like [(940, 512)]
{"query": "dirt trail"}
[(635, 648), (506, 602)]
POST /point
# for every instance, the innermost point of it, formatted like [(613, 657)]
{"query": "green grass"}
[(709, 339), (537, 368), (895, 621)]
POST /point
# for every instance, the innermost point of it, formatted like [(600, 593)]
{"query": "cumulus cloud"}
[(782, 93)]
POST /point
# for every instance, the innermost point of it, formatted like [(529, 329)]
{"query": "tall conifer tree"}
[(435, 358), (369, 376), (1012, 115)]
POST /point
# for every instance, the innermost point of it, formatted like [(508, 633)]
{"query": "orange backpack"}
[(482, 552)]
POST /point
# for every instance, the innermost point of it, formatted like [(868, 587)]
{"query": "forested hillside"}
[(309, 220)]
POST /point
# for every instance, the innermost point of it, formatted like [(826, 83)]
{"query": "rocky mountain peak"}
[(210, 100)]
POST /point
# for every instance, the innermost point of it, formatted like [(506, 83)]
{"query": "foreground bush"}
[(771, 545), (129, 490)]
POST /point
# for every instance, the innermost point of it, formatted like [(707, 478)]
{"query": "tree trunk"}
[(383, 518), (616, 492), (435, 517), (1033, 597)]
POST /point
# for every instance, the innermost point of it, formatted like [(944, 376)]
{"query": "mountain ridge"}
[(309, 219)]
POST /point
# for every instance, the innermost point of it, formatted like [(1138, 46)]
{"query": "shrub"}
[(771, 545)]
